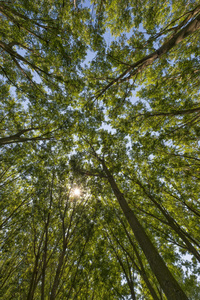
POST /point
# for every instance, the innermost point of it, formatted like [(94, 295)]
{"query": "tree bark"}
[(166, 280), (57, 276), (141, 268)]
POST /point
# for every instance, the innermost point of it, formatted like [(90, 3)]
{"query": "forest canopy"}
[(99, 149)]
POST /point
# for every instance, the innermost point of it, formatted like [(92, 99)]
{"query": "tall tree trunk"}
[(33, 282), (57, 276), (128, 276), (166, 280), (172, 223), (140, 268)]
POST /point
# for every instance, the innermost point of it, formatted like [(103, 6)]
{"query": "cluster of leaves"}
[(122, 127)]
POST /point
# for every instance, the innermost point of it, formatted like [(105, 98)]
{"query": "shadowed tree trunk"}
[(166, 280)]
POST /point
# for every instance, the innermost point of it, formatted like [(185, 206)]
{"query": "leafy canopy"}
[(102, 96)]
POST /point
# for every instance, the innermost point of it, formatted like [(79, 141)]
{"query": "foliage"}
[(102, 96)]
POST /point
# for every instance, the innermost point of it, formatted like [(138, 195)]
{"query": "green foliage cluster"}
[(102, 96)]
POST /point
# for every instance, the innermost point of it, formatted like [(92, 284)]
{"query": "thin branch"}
[(140, 65)]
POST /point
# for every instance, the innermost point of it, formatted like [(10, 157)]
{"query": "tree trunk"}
[(167, 282), (57, 276), (173, 224), (141, 268)]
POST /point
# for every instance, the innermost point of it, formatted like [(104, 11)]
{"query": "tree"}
[(122, 125)]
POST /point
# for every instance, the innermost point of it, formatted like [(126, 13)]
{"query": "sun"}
[(77, 192)]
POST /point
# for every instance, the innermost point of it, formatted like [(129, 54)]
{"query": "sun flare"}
[(77, 192)]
